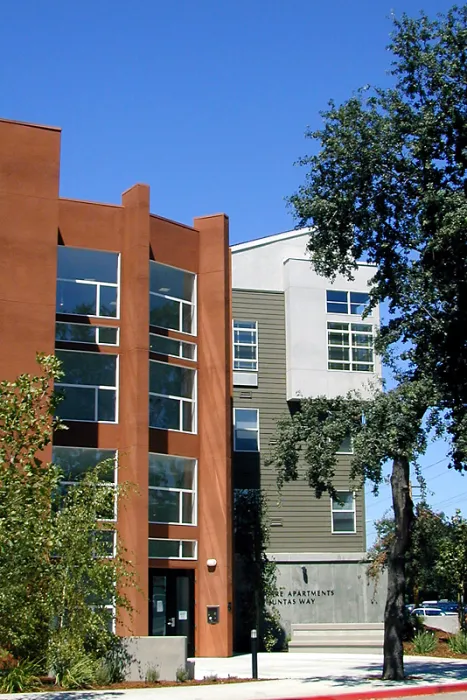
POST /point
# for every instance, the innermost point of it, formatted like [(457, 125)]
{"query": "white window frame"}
[(180, 545), (344, 510), (97, 337), (182, 400), (98, 286), (349, 331), (106, 484), (96, 388), (193, 492), (254, 363), (251, 430), (346, 452), (192, 303), (348, 303), (181, 343)]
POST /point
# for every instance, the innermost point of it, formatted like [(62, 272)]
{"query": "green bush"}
[(424, 642), (72, 667), (152, 674), (212, 678), (458, 643), (182, 674), (20, 677)]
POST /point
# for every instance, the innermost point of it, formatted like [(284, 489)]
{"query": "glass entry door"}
[(171, 604)]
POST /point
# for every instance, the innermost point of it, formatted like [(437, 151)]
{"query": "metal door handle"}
[(171, 622)]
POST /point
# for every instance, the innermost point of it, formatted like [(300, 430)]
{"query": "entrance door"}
[(171, 604)]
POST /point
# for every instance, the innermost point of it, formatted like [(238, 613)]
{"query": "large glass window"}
[(350, 346), (172, 298), (245, 344), (246, 430), (171, 346), (89, 386), (84, 333), (75, 462), (172, 397), (171, 549), (87, 282), (353, 303), (172, 489), (343, 513)]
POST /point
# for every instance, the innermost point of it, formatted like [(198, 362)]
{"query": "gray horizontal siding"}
[(305, 521)]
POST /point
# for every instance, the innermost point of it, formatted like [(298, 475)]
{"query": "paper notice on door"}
[(183, 615), (159, 606)]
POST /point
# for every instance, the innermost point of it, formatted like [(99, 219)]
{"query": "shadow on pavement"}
[(418, 672)]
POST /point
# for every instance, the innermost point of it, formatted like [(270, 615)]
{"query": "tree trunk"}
[(393, 667)]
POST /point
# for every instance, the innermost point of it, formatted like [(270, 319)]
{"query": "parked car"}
[(449, 607), (427, 612)]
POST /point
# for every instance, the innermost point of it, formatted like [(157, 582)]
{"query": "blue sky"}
[(205, 100)]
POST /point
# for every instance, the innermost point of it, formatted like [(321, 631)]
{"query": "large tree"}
[(387, 183)]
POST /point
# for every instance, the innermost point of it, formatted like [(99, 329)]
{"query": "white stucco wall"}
[(306, 331)]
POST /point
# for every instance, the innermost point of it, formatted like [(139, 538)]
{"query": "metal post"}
[(254, 654)]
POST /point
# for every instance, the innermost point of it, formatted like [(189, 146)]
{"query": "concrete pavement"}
[(296, 676)]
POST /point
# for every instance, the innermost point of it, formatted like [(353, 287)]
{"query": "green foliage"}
[(58, 574), (458, 643), (21, 677), (424, 642), (182, 675), (452, 561), (256, 587), (387, 183), (152, 674)]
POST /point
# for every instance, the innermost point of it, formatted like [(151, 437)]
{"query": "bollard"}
[(254, 654)]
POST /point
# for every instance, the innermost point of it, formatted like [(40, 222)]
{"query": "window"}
[(354, 303), (82, 333), (74, 462), (172, 549), (346, 447), (172, 490), (89, 386), (87, 282), (245, 343), (172, 390), (350, 346), (343, 513), (246, 430), (172, 298), (171, 347)]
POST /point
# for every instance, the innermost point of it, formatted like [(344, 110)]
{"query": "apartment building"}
[(296, 334), (137, 308)]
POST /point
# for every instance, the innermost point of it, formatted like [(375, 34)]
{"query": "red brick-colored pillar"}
[(29, 184), (134, 396), (214, 585)]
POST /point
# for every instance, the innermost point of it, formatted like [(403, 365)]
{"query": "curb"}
[(399, 692)]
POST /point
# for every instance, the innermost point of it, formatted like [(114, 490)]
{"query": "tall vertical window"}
[(245, 344), (89, 386), (246, 430), (350, 346), (353, 303), (172, 397), (172, 489), (172, 298), (343, 513), (87, 282)]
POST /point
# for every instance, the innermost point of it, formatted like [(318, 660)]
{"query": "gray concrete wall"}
[(318, 587), (166, 654)]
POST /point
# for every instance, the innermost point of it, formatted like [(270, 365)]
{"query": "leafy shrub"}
[(424, 642), (20, 677), (182, 674), (458, 643), (152, 674), (212, 678), (72, 667), (7, 660)]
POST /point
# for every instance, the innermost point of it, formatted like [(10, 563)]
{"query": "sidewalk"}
[(296, 676)]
